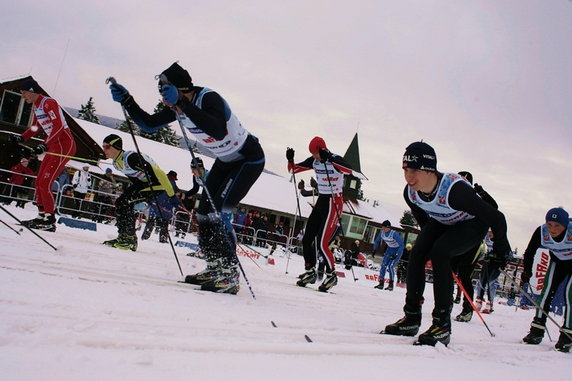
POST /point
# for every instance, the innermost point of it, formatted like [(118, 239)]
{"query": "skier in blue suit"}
[(392, 254)]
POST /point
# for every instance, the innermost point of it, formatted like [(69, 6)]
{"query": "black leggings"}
[(439, 243), (227, 183), (463, 265)]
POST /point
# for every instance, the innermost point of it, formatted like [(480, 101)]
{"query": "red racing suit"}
[(49, 116), (326, 214)]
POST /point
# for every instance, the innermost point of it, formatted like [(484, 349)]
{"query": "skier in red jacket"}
[(59, 146)]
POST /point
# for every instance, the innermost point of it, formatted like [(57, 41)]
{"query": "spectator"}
[(81, 183), (16, 180)]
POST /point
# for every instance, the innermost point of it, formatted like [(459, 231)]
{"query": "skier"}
[(392, 254), (239, 162), (148, 183), (453, 219), (59, 144), (323, 221), (556, 236), (488, 278), (465, 264)]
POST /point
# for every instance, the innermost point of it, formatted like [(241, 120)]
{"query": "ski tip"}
[(308, 339), (273, 324)]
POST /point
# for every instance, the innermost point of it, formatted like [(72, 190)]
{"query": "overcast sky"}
[(487, 83)]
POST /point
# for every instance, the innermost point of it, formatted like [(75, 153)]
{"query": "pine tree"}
[(124, 126), (87, 112), (408, 219)]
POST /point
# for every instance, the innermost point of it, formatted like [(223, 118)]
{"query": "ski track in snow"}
[(87, 311)]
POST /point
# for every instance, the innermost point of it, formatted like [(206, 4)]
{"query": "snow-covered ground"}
[(89, 312)]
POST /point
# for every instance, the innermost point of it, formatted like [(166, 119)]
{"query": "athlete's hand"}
[(525, 276), (313, 183), (40, 149), (118, 92), (170, 95), (15, 139), (500, 259), (290, 154), (301, 185), (325, 155)]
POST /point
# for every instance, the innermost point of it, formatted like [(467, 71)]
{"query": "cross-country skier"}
[(323, 221), (556, 236), (148, 183), (488, 283), (464, 265), (239, 162), (392, 254), (453, 219), (59, 146)]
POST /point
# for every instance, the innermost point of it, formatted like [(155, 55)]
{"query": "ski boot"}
[(440, 330), (478, 303), (564, 341), (48, 223), (39, 218), (226, 282), (379, 285), (209, 274), (307, 277), (465, 316), (389, 286), (536, 333), (330, 281), (123, 242), (488, 308), (406, 326)]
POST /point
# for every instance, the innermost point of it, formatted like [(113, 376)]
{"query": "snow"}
[(91, 312)]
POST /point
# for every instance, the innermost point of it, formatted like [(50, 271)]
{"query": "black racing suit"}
[(227, 182), (440, 243)]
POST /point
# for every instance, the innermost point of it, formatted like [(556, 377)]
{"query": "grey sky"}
[(487, 83)]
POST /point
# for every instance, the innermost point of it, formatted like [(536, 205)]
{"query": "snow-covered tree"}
[(87, 112), (408, 219)]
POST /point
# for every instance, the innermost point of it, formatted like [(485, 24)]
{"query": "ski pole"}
[(10, 227), (27, 227), (153, 193), (471, 301), (353, 274), (62, 155), (538, 307), (211, 201), (298, 213)]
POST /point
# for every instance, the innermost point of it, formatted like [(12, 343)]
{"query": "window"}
[(14, 109)]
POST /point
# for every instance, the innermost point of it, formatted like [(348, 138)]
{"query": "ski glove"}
[(40, 149), (197, 163), (15, 139), (290, 154), (119, 93), (500, 260), (170, 94), (313, 183), (325, 155), (301, 185), (525, 276)]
